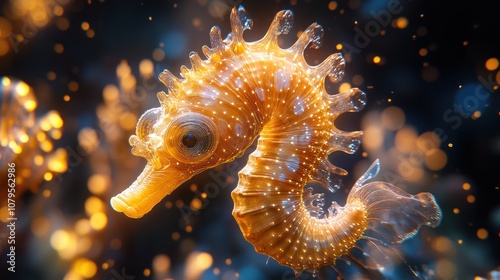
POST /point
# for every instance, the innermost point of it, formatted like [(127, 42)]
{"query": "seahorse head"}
[(179, 139)]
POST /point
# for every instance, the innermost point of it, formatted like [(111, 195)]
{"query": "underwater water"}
[(77, 75)]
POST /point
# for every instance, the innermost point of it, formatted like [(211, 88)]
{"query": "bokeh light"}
[(79, 74)]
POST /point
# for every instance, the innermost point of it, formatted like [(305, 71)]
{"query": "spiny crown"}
[(234, 44)]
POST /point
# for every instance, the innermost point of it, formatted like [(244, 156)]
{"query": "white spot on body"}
[(282, 79), (209, 95), (298, 106), (238, 130), (292, 163), (260, 93), (238, 82), (282, 177), (305, 136)]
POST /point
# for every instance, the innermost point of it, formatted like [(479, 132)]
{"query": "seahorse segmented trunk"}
[(249, 90)]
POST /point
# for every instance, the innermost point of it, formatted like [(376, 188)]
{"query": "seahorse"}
[(243, 91)]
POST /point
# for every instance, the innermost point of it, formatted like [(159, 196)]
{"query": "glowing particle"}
[(48, 176), (58, 48), (471, 198), (339, 47), (482, 233), (357, 80), (93, 205), (161, 264), (189, 228), (158, 54), (46, 193), (59, 240), (73, 86), (30, 105), (442, 244), (196, 204), (22, 89), (392, 118), (98, 220), (146, 68), (90, 33), (435, 159), (491, 64), (51, 75), (450, 145), (376, 59), (476, 115), (344, 87), (332, 5), (175, 236), (98, 183), (85, 267), (147, 271), (446, 269), (62, 24), (6, 81), (466, 186), (196, 22), (168, 204), (38, 160), (150, 18), (460, 241), (372, 138), (85, 26), (82, 227), (401, 22), (228, 261), (54, 119), (67, 98), (456, 210), (422, 52), (58, 10)]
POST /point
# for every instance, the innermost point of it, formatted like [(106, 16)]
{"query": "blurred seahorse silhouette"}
[(244, 90)]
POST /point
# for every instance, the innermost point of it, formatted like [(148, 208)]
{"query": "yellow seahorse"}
[(248, 90)]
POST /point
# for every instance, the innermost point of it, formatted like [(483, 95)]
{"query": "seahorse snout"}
[(147, 190)]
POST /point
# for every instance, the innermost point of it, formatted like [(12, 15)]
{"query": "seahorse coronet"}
[(243, 91)]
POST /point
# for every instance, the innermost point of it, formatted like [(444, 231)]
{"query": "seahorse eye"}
[(189, 140), (192, 138)]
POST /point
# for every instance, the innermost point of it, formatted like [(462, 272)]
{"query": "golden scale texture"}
[(244, 90)]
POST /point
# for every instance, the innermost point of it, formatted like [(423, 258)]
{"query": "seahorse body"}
[(245, 90)]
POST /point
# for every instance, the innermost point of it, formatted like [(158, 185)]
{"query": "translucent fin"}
[(333, 67), (281, 24), (240, 21), (393, 214), (195, 59), (347, 142), (216, 40), (352, 100), (314, 202), (184, 71), (323, 175), (206, 51), (371, 173), (169, 80), (165, 100)]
